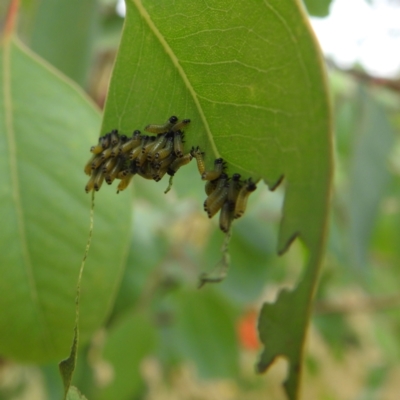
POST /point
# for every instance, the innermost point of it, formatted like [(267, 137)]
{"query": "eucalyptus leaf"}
[(47, 126), (63, 32), (250, 77)]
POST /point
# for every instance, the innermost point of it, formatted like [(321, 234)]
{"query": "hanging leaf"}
[(250, 77), (47, 126)]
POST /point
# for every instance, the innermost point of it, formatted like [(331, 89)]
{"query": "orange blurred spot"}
[(247, 330)]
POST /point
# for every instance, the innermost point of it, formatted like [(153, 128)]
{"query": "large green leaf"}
[(249, 76), (46, 128)]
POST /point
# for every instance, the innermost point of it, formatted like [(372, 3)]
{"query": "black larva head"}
[(173, 119), (251, 186)]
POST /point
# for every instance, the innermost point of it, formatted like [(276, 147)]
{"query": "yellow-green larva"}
[(198, 155), (163, 128), (179, 162), (180, 125), (157, 145), (178, 144), (241, 201), (216, 172), (166, 151), (219, 188), (225, 216), (131, 143)]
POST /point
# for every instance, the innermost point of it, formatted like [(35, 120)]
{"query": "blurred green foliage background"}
[(165, 339)]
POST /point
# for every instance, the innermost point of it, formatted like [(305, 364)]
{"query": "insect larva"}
[(178, 144), (234, 189), (131, 169), (131, 143), (196, 153), (241, 201), (174, 166), (220, 186), (109, 164), (210, 186), (226, 216), (154, 128), (114, 137), (165, 163), (179, 162), (105, 140), (97, 161), (147, 172), (158, 144), (214, 174), (98, 179), (137, 150), (124, 182), (114, 171), (214, 205), (142, 157), (117, 149), (159, 174), (98, 148), (90, 185), (88, 167), (106, 153), (180, 125), (166, 151)]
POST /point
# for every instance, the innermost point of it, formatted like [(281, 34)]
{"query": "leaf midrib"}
[(15, 187), (146, 17)]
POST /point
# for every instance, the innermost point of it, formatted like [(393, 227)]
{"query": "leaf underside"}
[(47, 126), (250, 77)]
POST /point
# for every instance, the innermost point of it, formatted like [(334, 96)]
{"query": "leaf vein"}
[(145, 15), (16, 192)]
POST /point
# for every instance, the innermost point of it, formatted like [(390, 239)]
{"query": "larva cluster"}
[(151, 157), (228, 194)]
